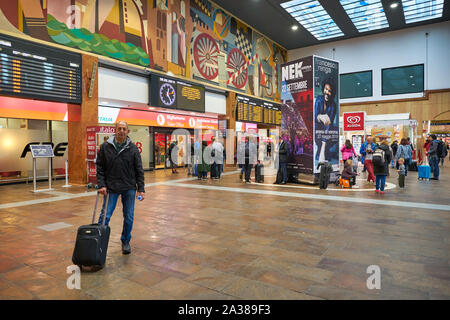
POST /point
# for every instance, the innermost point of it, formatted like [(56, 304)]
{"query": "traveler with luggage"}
[(404, 151), (120, 172), (435, 153), (381, 159), (348, 172), (367, 149)]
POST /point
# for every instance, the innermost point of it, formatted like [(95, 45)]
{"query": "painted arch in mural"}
[(192, 38)]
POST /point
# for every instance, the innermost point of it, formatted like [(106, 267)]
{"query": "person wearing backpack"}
[(381, 159), (404, 151), (434, 153)]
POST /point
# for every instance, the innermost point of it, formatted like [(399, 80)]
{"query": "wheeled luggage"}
[(324, 176), (424, 172), (92, 241), (412, 166), (259, 173)]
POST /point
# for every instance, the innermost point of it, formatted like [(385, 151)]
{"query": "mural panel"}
[(191, 38)]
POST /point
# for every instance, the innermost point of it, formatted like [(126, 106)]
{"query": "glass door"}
[(160, 150)]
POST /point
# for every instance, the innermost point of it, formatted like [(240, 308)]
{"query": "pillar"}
[(81, 117)]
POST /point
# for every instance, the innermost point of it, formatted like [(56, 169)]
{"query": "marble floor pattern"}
[(229, 240)]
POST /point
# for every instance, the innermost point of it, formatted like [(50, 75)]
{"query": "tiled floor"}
[(229, 240)]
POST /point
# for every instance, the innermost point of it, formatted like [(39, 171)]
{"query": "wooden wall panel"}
[(77, 129)]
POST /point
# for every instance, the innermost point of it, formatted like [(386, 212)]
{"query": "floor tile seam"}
[(418, 205), (14, 284), (265, 284)]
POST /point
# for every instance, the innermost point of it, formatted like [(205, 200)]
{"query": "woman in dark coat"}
[(203, 168), (382, 171)]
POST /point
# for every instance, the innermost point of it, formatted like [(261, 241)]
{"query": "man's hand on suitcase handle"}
[(103, 191)]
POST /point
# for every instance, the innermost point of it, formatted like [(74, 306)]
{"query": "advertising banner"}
[(297, 110), (354, 121), (326, 112)]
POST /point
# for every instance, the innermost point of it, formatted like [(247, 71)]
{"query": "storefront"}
[(155, 106), (390, 127), (48, 126)]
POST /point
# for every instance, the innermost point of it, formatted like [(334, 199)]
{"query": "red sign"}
[(354, 121)]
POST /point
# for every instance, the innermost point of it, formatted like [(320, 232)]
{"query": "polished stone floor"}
[(229, 240)]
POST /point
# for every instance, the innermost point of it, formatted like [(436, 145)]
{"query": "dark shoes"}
[(283, 182), (126, 249), (434, 178)]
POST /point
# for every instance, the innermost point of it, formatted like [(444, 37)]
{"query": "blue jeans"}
[(434, 164), (284, 171), (380, 182), (128, 212)]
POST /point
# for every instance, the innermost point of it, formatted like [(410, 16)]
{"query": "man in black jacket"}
[(120, 172), (282, 160)]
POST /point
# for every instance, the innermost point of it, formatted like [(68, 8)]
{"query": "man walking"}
[(120, 172)]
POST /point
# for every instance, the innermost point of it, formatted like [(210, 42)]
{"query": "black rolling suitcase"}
[(92, 242), (324, 176), (259, 173)]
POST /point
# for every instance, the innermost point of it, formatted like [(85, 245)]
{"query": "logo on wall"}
[(167, 94), (160, 119), (353, 121)]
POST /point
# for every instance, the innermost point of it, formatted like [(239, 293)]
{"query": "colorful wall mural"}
[(190, 38)]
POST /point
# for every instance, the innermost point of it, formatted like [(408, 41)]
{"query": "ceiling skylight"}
[(313, 17), (420, 10), (366, 15)]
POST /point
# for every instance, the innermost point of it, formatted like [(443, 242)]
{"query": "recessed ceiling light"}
[(294, 27), (394, 5)]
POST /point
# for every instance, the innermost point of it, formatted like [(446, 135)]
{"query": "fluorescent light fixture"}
[(394, 5), (313, 17), (294, 27), (366, 15), (420, 10)]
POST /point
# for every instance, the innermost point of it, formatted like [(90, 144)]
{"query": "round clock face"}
[(167, 94)]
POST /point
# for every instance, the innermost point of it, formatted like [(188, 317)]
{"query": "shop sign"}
[(354, 121)]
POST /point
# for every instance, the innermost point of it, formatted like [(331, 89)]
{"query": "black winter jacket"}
[(120, 172)]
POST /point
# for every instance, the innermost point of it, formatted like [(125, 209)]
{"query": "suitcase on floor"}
[(324, 176), (91, 245), (259, 173), (413, 166), (424, 172)]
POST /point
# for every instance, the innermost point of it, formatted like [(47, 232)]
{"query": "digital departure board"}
[(37, 71), (166, 92), (258, 111)]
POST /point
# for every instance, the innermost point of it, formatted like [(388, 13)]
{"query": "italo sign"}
[(354, 121)]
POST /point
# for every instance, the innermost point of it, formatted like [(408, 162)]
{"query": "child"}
[(401, 172), (348, 172)]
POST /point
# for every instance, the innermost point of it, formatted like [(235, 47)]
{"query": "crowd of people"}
[(376, 158)]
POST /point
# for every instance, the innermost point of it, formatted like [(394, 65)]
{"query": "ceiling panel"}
[(271, 18)]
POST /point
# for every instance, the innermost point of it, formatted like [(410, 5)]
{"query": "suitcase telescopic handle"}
[(95, 208)]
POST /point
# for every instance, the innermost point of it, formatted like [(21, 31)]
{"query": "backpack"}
[(378, 157), (440, 149)]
